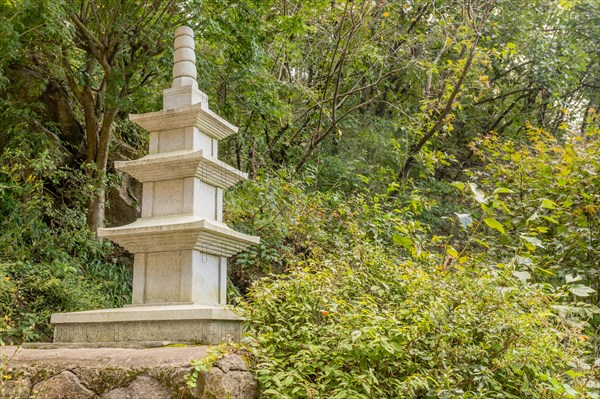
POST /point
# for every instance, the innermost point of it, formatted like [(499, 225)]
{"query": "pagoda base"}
[(197, 324)]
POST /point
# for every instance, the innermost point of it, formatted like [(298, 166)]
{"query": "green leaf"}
[(581, 290), (402, 240), (458, 184), (494, 224), (532, 217), (503, 190), (547, 204), (552, 220), (480, 242), (533, 241), (500, 204)]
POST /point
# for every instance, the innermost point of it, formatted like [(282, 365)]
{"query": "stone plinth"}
[(180, 244), (154, 325)]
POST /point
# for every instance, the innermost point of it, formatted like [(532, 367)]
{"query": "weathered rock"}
[(234, 385), (16, 389), (143, 387), (127, 373), (65, 385), (231, 362), (124, 202), (229, 378)]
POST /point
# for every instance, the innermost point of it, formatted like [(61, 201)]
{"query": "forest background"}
[(424, 175)]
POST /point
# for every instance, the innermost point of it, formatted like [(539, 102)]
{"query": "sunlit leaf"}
[(569, 278), (533, 241), (523, 261), (452, 252), (581, 290), (503, 190), (478, 194), (458, 184), (547, 204), (494, 224), (523, 276)]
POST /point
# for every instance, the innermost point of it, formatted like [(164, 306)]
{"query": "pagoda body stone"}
[(180, 243)]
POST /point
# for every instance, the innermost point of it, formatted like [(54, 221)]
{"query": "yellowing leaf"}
[(452, 252), (547, 204), (494, 224)]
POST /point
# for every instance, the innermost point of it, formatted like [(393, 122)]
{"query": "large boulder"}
[(65, 385)]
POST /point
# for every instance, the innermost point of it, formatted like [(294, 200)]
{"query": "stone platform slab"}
[(105, 357), (141, 324)]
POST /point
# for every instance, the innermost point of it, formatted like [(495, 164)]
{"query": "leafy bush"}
[(49, 259), (369, 302), (361, 324), (551, 194), (289, 214)]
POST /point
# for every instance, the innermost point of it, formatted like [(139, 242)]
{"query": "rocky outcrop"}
[(65, 385), (16, 389), (143, 387), (228, 378), (118, 373)]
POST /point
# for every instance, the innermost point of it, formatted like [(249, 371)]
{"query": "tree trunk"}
[(95, 210), (98, 155)]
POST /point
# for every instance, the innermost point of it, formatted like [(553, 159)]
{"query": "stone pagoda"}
[(180, 244)]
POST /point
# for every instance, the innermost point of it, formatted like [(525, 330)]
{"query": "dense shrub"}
[(361, 324), (297, 222), (373, 297), (551, 192), (49, 259)]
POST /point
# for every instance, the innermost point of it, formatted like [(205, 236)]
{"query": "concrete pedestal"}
[(162, 324)]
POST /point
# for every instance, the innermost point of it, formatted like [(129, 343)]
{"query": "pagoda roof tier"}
[(182, 164), (181, 232), (197, 115)]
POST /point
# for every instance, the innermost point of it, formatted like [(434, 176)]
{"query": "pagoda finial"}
[(184, 90), (184, 58)]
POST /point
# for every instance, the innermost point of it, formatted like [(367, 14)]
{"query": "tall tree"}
[(109, 54)]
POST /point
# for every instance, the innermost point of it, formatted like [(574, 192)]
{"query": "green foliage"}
[(214, 353), (547, 206), (289, 214), (371, 303), (541, 218), (50, 261), (359, 323), (203, 365)]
